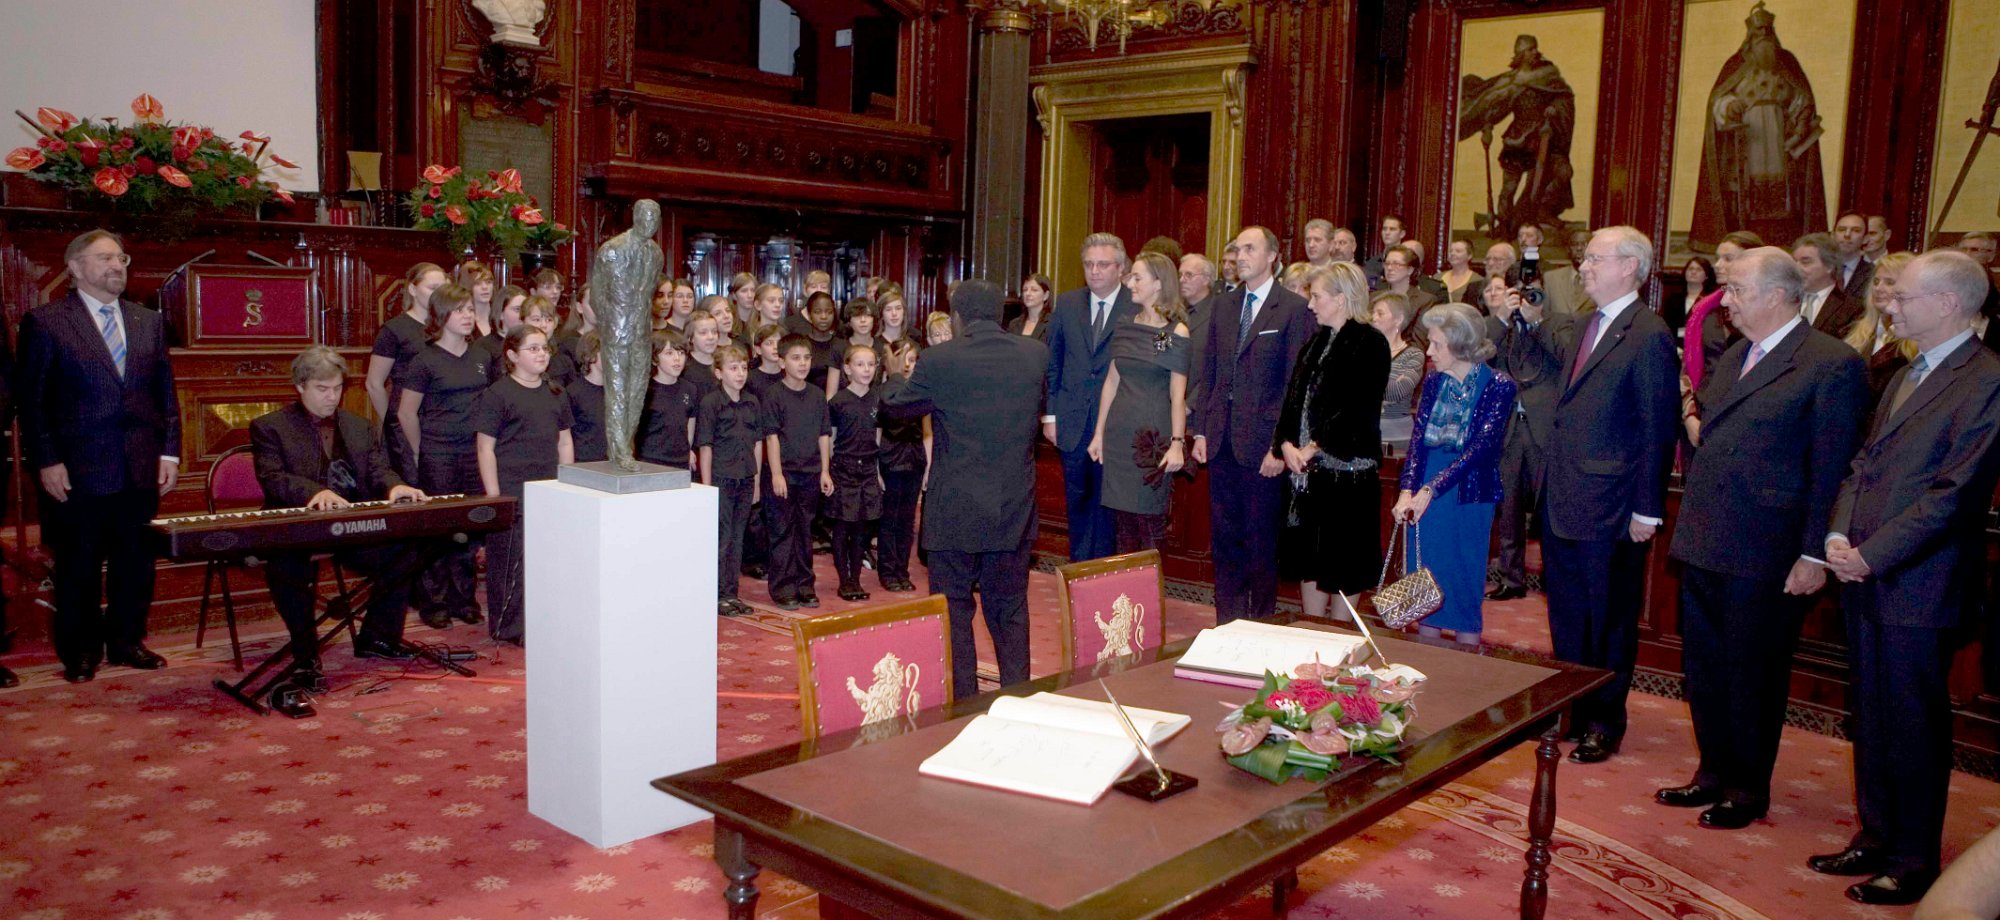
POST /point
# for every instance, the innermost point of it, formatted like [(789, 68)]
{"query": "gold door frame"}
[(1069, 97)]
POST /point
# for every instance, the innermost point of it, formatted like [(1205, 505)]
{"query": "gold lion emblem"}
[(1125, 631), (887, 695)]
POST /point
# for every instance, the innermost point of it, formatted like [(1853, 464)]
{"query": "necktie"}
[(114, 337), (1585, 345), (1813, 302), (1910, 382), (1756, 354), (1243, 321), (1097, 323)]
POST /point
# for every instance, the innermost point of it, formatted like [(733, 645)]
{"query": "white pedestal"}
[(621, 630)]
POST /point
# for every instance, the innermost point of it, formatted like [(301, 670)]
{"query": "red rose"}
[(55, 120), (147, 108), (57, 146), (1278, 700), (244, 181), (454, 213), (429, 210), (437, 191), (42, 141), (129, 169), (175, 177), (125, 143), (1360, 708), (25, 158), (1311, 694), (145, 164), (110, 182), (88, 151)]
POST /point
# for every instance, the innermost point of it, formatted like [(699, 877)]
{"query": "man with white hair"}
[(1604, 477), (1906, 540), (1319, 241), (1197, 286)]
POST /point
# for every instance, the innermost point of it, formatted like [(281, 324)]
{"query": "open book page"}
[(1094, 716), (1240, 651)]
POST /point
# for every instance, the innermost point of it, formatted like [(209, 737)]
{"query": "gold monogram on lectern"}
[(253, 308), (1124, 629), (885, 697)]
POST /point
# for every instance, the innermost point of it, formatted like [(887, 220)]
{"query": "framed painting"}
[(1968, 106)]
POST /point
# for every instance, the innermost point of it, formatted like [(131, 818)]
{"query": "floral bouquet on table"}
[(1304, 724), (151, 164), (471, 211)]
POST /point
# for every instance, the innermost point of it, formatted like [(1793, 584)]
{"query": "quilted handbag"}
[(1413, 596)]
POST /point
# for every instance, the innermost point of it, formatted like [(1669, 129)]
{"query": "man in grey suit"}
[(1782, 417), (1604, 479), (983, 391), (1907, 542), (1530, 342)]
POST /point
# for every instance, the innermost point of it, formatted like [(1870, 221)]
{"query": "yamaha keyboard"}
[(247, 533)]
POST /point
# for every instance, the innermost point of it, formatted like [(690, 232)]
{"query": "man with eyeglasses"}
[(102, 429), (1906, 540), (1079, 359)]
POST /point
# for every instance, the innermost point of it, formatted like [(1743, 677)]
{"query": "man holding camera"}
[(1531, 339)]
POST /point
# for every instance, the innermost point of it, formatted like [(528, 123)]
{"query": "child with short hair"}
[(549, 284), (728, 434), (904, 459), (857, 485), (798, 452), (861, 320), (523, 431), (666, 430), (540, 312), (765, 372), (767, 366), (586, 402), (704, 336)]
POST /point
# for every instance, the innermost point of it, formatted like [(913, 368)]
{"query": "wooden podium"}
[(241, 305)]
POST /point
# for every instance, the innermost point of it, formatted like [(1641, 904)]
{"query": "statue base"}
[(607, 476)]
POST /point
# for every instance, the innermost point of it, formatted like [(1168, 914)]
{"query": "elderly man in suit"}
[(983, 391), (102, 430), (1604, 479), (1906, 542), (1079, 344), (1782, 417), (1529, 342), (1253, 338)]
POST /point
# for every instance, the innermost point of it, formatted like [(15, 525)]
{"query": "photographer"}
[(1531, 339)]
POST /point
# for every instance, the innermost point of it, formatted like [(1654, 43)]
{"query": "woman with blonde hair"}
[(743, 294), (1142, 414), (1885, 351)]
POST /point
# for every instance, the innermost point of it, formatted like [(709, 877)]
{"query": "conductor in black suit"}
[(1907, 542), (983, 391), (313, 454), (102, 430), (1781, 417), (1079, 346), (1253, 339), (1604, 479)]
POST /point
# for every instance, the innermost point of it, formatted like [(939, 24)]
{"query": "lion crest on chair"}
[(1125, 630), (895, 686)]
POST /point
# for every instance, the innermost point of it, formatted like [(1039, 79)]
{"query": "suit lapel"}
[(1266, 318), (1769, 368), (1608, 339), (1928, 389), (92, 337)]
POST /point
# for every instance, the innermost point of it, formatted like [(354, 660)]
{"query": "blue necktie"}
[(114, 337), (1243, 321)]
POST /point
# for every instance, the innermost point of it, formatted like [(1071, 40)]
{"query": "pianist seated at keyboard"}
[(313, 454)]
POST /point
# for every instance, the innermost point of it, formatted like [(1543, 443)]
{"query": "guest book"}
[(1238, 653), (1055, 747)]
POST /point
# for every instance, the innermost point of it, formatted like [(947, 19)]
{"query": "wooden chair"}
[(1111, 607), (873, 665)]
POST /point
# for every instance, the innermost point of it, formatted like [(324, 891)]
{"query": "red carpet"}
[(151, 796)]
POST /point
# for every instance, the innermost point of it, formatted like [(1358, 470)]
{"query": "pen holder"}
[(1146, 784)]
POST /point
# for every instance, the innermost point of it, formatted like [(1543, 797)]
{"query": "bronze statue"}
[(1760, 163), (622, 278), (1540, 109)]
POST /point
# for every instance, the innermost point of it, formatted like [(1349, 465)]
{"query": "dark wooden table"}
[(848, 814)]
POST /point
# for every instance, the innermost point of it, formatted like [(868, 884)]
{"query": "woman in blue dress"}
[(1451, 480)]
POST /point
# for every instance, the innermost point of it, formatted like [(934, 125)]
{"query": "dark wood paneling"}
[(1151, 176)]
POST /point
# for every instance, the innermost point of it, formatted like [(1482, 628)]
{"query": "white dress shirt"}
[(1263, 295), (1813, 301)]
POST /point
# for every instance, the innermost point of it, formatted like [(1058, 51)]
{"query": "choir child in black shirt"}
[(821, 316), (435, 411), (540, 312), (524, 434), (399, 342), (766, 370), (798, 450), (666, 430), (586, 401), (904, 459), (857, 485), (704, 336), (728, 434)]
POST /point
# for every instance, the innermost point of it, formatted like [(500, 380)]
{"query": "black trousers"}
[(448, 586), (1001, 581), (1090, 528), (101, 547), (850, 544), (1737, 638), (733, 516), (756, 537), (1519, 456), (1246, 509), (1595, 588), (901, 490), (1139, 531), (1902, 735), (789, 521), (294, 582)]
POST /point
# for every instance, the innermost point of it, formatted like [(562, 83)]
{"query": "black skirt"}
[(857, 491), (1333, 531)]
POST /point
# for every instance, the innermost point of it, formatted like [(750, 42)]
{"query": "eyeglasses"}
[(1900, 299), (111, 258), (1099, 265), (1594, 259), (1737, 291)]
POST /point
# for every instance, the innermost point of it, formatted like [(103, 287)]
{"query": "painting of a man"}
[(1760, 157), (1536, 175)]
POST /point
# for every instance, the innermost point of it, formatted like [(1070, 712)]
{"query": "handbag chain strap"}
[(1389, 554)]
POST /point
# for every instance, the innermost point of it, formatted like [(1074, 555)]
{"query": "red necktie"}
[(1585, 345)]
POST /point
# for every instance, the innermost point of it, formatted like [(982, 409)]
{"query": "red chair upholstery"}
[(1111, 607), (232, 486), (871, 665)]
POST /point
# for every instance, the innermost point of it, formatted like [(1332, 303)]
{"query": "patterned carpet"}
[(150, 796)]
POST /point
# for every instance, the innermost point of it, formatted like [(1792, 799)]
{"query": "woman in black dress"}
[(1142, 416), (1037, 293), (436, 414), (1330, 436)]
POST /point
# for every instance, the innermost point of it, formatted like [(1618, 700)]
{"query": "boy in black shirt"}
[(727, 432), (666, 433), (798, 448), (586, 401), (766, 369)]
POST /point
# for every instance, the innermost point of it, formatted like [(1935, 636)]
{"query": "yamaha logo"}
[(369, 525)]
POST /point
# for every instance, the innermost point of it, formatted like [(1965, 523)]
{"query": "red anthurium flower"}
[(25, 158), (111, 182), (428, 210), (454, 213), (510, 180), (129, 169), (254, 136), (280, 193), (181, 153), (55, 120), (175, 177), (532, 216), (147, 108), (145, 164), (560, 227), (436, 173), (281, 161), (57, 146), (187, 136)]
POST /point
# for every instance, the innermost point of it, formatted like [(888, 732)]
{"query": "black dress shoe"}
[(137, 656), (376, 648), (788, 603), (309, 678), (1731, 816), (1594, 748), (1892, 889), (292, 702), (852, 593), (1688, 796), (810, 600), (79, 673), (1851, 861), (1504, 593), (7, 678)]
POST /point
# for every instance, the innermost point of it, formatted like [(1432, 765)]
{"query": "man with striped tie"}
[(101, 427)]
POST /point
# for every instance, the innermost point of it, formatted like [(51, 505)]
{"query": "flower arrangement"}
[(1302, 725), (151, 164), (471, 211)]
